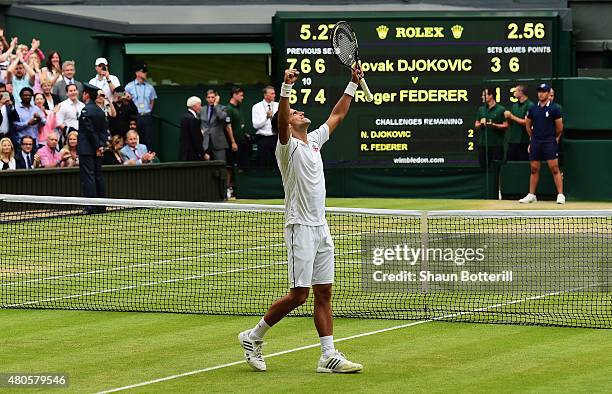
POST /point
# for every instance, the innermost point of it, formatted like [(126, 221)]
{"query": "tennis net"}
[(520, 267)]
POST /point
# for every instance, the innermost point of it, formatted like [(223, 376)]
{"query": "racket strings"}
[(344, 44)]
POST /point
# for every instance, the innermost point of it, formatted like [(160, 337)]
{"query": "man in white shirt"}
[(70, 110), (104, 80), (261, 114), (309, 244)]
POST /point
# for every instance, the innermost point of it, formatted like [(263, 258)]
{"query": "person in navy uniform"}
[(544, 124), (91, 142)]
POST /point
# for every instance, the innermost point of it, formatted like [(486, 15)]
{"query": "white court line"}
[(365, 334), (140, 265), (131, 287), (143, 285)]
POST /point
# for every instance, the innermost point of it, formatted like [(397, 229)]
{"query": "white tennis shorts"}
[(310, 251)]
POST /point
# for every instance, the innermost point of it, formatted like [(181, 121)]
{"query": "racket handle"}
[(366, 90)]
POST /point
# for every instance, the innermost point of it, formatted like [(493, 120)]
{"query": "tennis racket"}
[(344, 43)]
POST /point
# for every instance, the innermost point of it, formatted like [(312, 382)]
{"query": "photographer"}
[(104, 80), (126, 112)]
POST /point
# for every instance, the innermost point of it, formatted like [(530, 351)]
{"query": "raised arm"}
[(10, 71), (7, 54), (342, 106), (29, 71), (284, 134)]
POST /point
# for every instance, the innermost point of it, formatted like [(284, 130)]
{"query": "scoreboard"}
[(426, 72)]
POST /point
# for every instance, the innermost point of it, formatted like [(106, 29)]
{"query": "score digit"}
[(514, 64), (530, 30), (305, 33), (495, 64)]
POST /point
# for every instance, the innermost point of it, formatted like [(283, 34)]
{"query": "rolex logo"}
[(382, 31), (457, 31)]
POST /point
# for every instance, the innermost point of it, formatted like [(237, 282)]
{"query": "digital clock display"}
[(426, 73)]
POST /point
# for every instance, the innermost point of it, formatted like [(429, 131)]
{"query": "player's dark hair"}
[(236, 90), (489, 91), (274, 122)]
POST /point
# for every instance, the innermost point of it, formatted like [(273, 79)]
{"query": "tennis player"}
[(309, 243)]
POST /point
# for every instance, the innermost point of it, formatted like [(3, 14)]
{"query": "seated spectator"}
[(25, 158), (30, 116), (69, 111), (48, 156), (54, 68), (20, 75), (49, 125), (126, 113), (51, 100), (112, 154), (135, 153), (104, 80), (67, 78), (69, 155), (7, 154)]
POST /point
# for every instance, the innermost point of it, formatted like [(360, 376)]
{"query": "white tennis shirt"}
[(301, 168)]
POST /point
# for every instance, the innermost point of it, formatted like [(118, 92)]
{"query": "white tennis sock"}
[(327, 345), (258, 332)]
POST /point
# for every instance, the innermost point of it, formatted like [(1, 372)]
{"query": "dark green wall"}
[(587, 169), (196, 181)]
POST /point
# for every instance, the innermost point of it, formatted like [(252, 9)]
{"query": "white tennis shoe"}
[(529, 198), (253, 351), (337, 363), (560, 198)]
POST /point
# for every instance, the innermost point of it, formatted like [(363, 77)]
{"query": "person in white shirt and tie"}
[(262, 113), (67, 78)]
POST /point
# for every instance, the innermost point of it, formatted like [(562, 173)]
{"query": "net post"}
[(424, 245)]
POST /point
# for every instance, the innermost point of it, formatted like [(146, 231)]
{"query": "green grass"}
[(105, 350)]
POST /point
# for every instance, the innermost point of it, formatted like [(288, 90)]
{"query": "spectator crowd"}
[(41, 106)]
